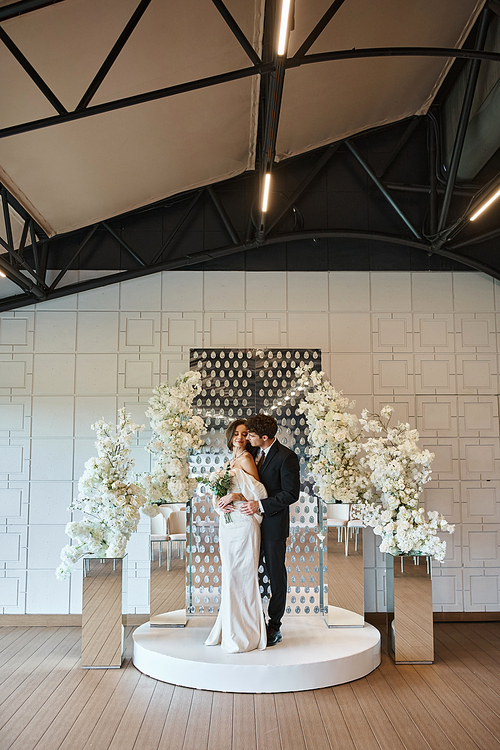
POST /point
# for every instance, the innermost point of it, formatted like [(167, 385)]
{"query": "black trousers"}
[(272, 559)]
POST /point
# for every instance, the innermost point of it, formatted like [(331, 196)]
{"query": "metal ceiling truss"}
[(27, 265)]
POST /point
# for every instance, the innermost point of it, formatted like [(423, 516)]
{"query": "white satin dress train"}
[(240, 624)]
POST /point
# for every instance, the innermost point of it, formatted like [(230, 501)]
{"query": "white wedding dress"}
[(240, 624)]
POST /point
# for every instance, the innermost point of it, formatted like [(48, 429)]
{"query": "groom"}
[(279, 472)]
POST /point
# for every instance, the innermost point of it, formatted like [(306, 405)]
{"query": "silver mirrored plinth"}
[(344, 597), (167, 592), (104, 606), (410, 625)]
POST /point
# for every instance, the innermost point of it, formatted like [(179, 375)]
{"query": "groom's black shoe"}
[(273, 636)]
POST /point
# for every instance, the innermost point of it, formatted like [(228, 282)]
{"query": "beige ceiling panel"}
[(179, 42), (345, 97), (68, 42), (108, 164)]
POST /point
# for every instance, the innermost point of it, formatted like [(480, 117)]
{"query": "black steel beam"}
[(22, 281), (369, 171), (475, 240), (463, 121), (130, 101), (238, 33), (236, 75), (223, 215), (322, 161), (322, 24), (24, 6), (177, 227), (399, 146), (33, 74), (75, 255), (203, 256), (369, 52), (124, 244), (6, 218), (115, 51)]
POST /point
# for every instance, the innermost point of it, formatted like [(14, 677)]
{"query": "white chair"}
[(176, 532), (353, 527), (158, 534), (337, 516)]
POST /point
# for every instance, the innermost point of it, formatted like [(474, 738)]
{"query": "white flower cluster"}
[(397, 471), (334, 445), (176, 432), (109, 499)]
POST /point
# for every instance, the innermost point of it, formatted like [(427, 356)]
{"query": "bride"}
[(240, 624)]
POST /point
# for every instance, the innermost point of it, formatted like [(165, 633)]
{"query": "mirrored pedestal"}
[(104, 605), (410, 624), (345, 595), (167, 592)]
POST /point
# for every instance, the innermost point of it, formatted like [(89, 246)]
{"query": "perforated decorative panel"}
[(237, 384)]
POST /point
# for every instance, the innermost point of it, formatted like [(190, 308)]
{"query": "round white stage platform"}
[(310, 656)]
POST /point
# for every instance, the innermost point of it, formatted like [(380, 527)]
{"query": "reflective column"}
[(410, 625), (104, 606)]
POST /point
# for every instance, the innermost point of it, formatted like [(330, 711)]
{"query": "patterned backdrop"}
[(237, 384)]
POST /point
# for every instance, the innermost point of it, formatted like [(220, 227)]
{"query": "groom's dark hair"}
[(262, 424)]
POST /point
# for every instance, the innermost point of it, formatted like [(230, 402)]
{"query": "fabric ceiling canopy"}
[(73, 174)]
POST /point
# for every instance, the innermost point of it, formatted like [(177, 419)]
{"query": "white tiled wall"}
[(426, 342)]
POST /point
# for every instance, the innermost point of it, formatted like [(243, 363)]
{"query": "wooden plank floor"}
[(48, 702)]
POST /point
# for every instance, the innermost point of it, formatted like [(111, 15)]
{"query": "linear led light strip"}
[(485, 205), (285, 13)]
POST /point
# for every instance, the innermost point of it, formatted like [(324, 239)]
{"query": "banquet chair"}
[(337, 516), (176, 531), (158, 535), (353, 527)]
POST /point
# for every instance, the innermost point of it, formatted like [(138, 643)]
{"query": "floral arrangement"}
[(398, 469), (176, 432), (110, 501), (220, 482), (334, 439)]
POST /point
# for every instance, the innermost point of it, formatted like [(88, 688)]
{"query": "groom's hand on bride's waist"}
[(249, 507)]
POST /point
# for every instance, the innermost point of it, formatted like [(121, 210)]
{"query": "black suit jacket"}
[(280, 475)]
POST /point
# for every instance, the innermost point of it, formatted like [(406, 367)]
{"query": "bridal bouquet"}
[(398, 469), (110, 501), (334, 439), (220, 482), (176, 432)]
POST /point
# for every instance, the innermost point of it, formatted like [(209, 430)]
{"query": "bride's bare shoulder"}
[(248, 465)]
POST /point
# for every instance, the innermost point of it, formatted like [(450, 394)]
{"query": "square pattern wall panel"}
[(403, 408), (480, 502), (481, 590), (475, 333), (12, 373), (393, 373), (479, 458), (433, 333), (392, 332), (477, 373), (480, 545), (350, 332), (447, 594), (435, 373), (445, 498), (13, 332), (11, 417), (97, 332), (11, 502), (437, 416), (478, 416)]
